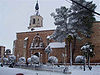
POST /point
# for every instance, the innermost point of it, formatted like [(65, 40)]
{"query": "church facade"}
[(35, 41)]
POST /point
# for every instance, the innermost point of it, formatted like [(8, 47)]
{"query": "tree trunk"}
[(70, 53), (65, 54), (48, 55), (88, 61), (84, 62), (74, 48)]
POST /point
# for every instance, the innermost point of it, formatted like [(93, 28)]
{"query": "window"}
[(41, 23), (25, 42), (38, 21), (33, 21)]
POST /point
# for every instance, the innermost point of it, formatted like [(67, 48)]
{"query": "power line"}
[(85, 7), (69, 2), (98, 17)]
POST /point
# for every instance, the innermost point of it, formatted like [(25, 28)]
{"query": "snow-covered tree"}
[(8, 51), (29, 60), (48, 49), (22, 60), (88, 51), (52, 59), (82, 18), (73, 20), (64, 30), (35, 59), (11, 58), (5, 60), (80, 59)]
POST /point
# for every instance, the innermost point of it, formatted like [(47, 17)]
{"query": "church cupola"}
[(36, 20)]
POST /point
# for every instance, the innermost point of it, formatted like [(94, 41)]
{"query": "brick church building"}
[(35, 41)]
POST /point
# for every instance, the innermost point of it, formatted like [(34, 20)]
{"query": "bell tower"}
[(36, 20)]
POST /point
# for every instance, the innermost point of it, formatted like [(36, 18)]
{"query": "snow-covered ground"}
[(75, 70), (14, 71)]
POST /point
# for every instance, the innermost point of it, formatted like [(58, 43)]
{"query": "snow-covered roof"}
[(39, 29), (44, 28), (57, 45)]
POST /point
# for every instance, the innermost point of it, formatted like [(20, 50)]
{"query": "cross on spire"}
[(37, 8)]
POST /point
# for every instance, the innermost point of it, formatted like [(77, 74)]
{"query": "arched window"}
[(38, 21), (25, 42), (33, 21), (41, 22)]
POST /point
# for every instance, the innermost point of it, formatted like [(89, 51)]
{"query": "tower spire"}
[(36, 20), (37, 8)]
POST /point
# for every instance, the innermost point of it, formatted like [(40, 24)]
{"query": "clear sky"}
[(15, 16)]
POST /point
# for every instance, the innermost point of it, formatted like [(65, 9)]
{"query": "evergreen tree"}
[(88, 51), (82, 17), (71, 21)]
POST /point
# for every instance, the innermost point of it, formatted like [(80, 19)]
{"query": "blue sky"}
[(15, 16)]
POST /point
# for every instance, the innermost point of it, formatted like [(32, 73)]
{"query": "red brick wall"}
[(95, 39), (20, 41)]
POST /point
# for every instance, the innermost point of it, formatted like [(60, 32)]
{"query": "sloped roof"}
[(57, 45)]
